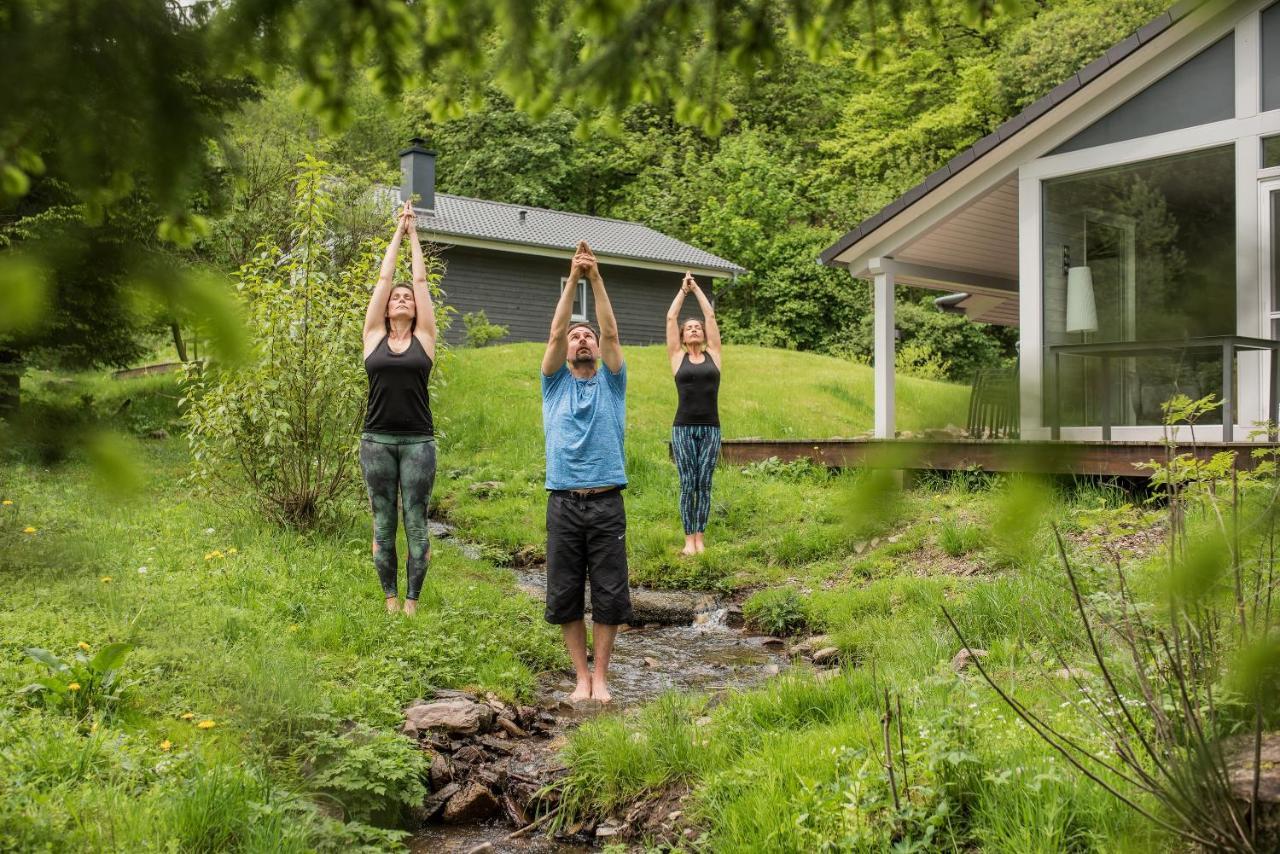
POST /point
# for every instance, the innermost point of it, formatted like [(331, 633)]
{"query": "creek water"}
[(705, 656)]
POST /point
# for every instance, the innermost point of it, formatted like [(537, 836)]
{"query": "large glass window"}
[(1271, 58), (1143, 252)]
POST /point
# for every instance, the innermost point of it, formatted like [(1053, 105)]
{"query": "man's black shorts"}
[(587, 539)]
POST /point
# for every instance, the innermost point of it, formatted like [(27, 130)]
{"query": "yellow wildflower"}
[(74, 686), (206, 724), (208, 555), (93, 727), (216, 553), (186, 716), (28, 530), (7, 502), (83, 646), (232, 550), (106, 579), (165, 745), (293, 627)]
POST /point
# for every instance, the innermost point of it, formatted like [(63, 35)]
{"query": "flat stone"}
[(806, 647), (606, 830), (483, 848), (458, 715), (827, 655), (650, 661), (441, 773), (474, 803), (965, 657), (511, 728), (470, 754), (433, 802), (496, 744), (668, 607), (775, 643), (1239, 756), (733, 616)]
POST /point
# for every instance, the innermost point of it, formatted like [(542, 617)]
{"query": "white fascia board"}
[(1113, 87), (446, 240)]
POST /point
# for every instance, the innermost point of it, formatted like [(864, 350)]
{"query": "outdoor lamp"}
[(1082, 311)]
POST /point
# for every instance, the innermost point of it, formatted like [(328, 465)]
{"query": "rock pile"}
[(487, 757)]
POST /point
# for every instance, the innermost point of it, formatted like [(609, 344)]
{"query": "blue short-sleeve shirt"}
[(584, 422)]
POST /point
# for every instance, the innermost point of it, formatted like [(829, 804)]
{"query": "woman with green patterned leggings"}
[(398, 446)]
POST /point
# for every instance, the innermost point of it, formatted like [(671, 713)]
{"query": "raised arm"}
[(558, 341), (708, 321), (426, 329), (610, 343), (673, 323), (375, 315)]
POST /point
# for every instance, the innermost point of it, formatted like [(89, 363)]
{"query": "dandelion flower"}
[(165, 745), (83, 646), (7, 502), (232, 550), (206, 724), (74, 686), (208, 555), (186, 716), (293, 627), (106, 579), (28, 530)]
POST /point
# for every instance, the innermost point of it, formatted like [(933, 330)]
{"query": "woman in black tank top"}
[(397, 445), (694, 351)]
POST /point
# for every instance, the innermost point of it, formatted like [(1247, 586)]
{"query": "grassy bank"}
[(278, 640), (764, 523)]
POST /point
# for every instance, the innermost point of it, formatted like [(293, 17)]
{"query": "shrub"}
[(288, 416), (778, 611), (81, 685), (372, 774), (479, 331)]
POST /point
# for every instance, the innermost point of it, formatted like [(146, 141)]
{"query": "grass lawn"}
[(279, 641)]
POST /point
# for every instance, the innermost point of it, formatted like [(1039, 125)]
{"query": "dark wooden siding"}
[(520, 292)]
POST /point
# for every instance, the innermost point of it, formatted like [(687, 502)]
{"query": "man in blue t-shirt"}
[(584, 411)]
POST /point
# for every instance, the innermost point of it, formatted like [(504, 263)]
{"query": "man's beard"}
[(582, 358)]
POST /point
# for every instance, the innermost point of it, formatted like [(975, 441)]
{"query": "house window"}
[(1200, 91), (1156, 241), (1271, 58), (579, 300), (1271, 152)]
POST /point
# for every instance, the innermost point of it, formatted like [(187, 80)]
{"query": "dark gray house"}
[(510, 261)]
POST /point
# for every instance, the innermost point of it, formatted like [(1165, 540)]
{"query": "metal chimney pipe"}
[(418, 174)]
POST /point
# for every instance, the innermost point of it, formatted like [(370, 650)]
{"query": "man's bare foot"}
[(688, 551), (600, 691), (582, 692), (690, 545), (410, 607), (393, 606)]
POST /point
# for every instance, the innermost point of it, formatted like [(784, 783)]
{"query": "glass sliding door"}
[(1141, 252)]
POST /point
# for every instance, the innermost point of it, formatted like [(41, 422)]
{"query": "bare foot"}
[(582, 692), (702, 547), (688, 551), (392, 605), (410, 607), (600, 691)]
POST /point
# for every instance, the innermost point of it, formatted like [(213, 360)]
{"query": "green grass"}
[(764, 521), (278, 638)]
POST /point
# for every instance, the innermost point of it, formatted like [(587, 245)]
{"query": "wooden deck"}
[(1113, 459)]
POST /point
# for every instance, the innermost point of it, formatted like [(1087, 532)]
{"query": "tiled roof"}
[(991, 141), (478, 219)]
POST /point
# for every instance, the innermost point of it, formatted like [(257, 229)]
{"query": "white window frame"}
[(583, 296), (1253, 294)]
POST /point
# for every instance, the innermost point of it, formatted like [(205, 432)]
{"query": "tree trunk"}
[(178, 343), (10, 377)]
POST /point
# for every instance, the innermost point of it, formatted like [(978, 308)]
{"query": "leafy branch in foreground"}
[(1189, 659)]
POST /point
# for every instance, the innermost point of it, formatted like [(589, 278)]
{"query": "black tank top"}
[(699, 388), (398, 397)]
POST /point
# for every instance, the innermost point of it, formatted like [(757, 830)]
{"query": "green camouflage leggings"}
[(405, 467)]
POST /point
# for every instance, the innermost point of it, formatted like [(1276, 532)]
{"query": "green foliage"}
[(959, 538), (479, 331), (776, 611), (287, 416), (80, 685), (371, 774)]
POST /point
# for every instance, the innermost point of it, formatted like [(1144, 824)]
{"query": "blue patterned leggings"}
[(696, 449)]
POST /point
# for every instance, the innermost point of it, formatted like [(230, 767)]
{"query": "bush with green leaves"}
[(80, 685), (479, 331), (778, 611), (371, 774), (288, 417)]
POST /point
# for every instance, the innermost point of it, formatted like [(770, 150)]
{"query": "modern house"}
[(511, 261), (1127, 223)]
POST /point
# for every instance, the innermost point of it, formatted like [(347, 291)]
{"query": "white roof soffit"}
[(1145, 65)]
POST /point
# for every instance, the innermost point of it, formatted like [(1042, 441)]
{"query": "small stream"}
[(706, 656)]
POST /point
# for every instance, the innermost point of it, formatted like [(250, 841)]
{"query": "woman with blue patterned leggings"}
[(397, 445), (694, 352)]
